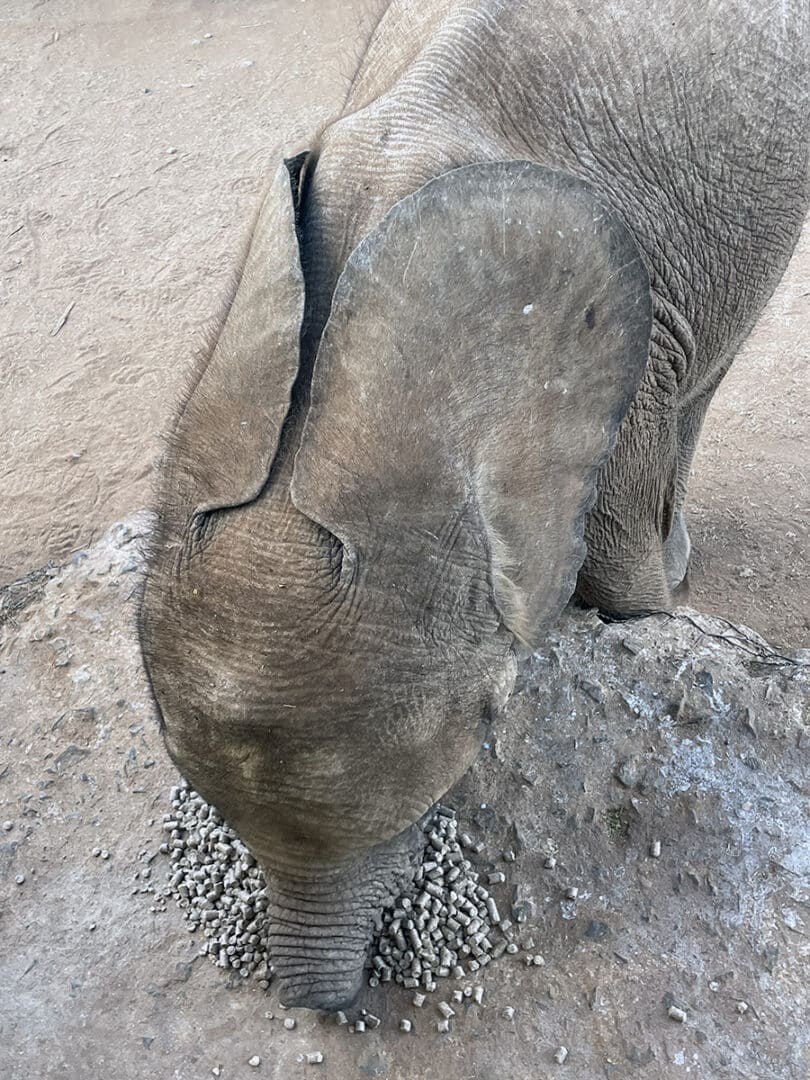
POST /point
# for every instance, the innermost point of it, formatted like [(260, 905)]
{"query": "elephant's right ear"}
[(485, 341), (227, 433)]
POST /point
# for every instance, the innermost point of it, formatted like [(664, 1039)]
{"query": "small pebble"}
[(742, 1007), (538, 960), (20, 879), (255, 1061), (655, 849), (405, 1025), (674, 1013), (550, 863), (289, 1023), (508, 1012), (96, 852), (560, 1054), (104, 854), (217, 1070), (8, 826)]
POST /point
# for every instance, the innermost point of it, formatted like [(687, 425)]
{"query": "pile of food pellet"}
[(447, 925), (218, 884)]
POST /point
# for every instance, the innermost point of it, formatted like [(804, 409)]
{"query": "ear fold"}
[(228, 432), (484, 344)]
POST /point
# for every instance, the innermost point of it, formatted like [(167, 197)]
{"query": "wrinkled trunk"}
[(321, 926)]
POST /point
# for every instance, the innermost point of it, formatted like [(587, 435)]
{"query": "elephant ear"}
[(485, 341), (228, 431)]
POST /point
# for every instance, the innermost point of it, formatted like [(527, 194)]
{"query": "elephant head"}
[(352, 556)]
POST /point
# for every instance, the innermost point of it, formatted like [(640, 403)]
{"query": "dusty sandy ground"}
[(132, 150), (679, 730)]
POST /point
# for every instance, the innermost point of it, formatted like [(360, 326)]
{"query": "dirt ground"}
[(679, 731), (134, 138)]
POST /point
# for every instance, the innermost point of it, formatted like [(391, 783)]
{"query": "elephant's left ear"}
[(484, 344), (228, 430)]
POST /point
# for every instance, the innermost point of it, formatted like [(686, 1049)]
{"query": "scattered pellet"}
[(105, 854), (314, 1058), (443, 1027), (655, 849), (341, 1017), (511, 948), (550, 862), (20, 879), (359, 1026), (446, 1009), (405, 1025), (96, 852), (674, 1013), (572, 892), (255, 1061), (507, 1012), (289, 1023), (742, 1007), (8, 826), (560, 1054), (478, 995), (496, 878), (419, 1000)]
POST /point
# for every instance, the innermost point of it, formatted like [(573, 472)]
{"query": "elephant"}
[(459, 382)]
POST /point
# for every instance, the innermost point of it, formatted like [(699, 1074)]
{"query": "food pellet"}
[(674, 1013), (560, 1054), (255, 1061), (655, 849), (405, 1025), (289, 1023)]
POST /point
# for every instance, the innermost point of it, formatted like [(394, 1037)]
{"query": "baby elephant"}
[(461, 379)]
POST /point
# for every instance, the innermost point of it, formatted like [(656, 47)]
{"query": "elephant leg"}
[(624, 571), (637, 544)]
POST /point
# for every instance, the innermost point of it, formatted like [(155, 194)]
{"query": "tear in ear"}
[(484, 344), (227, 434)]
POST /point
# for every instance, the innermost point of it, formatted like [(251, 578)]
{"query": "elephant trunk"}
[(321, 926)]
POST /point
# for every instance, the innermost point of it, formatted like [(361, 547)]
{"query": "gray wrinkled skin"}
[(478, 328)]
